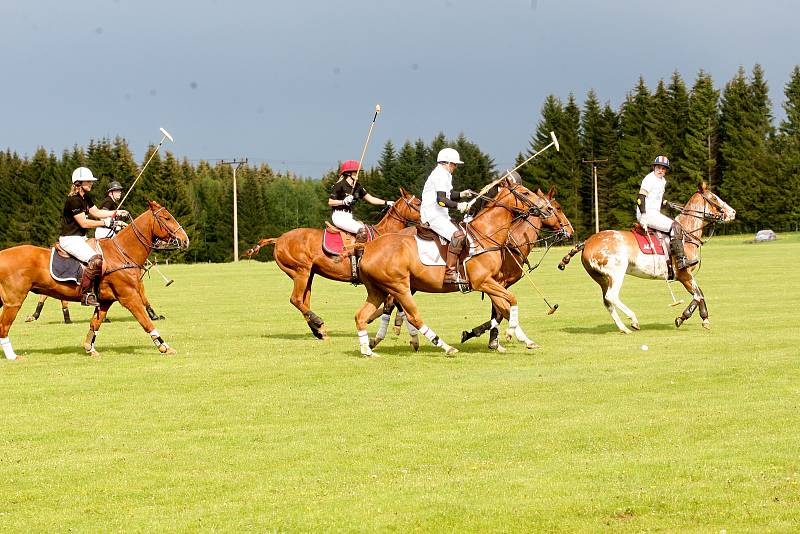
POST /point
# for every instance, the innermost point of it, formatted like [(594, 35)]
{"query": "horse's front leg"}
[(98, 317), (698, 301), (132, 301), (506, 305)]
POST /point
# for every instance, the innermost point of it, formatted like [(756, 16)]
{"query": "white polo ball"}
[(645, 347)]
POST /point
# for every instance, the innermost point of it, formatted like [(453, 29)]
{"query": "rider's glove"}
[(468, 193), (389, 203), (462, 206), (119, 226), (108, 222), (348, 200)]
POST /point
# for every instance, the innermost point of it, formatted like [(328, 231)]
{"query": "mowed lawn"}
[(256, 426)]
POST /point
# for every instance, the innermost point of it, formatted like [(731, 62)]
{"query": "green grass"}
[(256, 426)]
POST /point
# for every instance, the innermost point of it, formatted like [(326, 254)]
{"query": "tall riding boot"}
[(90, 279), (676, 248), (451, 275), (361, 235)]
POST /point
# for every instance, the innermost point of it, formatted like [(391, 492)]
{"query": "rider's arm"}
[(332, 202), (85, 222), (374, 200), (98, 213), (442, 200), (640, 200)]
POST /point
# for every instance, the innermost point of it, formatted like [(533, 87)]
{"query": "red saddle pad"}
[(644, 244)]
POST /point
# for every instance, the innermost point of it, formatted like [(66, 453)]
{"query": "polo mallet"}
[(554, 307), (366, 143), (508, 173), (167, 281), (166, 136), (675, 302)]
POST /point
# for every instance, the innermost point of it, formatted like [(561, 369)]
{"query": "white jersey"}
[(438, 180), (655, 193)]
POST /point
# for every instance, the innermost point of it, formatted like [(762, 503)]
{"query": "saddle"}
[(660, 240), (432, 248), (67, 268), (336, 241)]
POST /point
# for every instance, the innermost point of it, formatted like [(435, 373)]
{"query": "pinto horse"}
[(299, 254), (391, 267), (611, 254), (26, 268)]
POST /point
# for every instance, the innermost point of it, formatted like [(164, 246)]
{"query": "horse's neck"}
[(133, 245), (494, 221), (692, 220), (389, 223), (523, 235)]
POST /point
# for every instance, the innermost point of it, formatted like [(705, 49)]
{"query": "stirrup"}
[(89, 299), (685, 263)]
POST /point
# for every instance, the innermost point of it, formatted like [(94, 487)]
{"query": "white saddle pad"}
[(429, 252)]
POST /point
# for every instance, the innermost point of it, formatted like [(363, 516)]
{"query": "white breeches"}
[(344, 220), (443, 226), (102, 233), (655, 220), (77, 246)]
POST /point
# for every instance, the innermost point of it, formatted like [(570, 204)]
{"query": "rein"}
[(173, 243)]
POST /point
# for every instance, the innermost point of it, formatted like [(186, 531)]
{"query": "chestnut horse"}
[(611, 254), (26, 268), (299, 254), (391, 266), (523, 236)]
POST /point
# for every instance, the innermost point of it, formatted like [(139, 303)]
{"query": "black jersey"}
[(341, 189), (75, 204), (108, 204)]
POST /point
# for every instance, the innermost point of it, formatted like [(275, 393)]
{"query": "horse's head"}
[(713, 207), (167, 232), (557, 219), (406, 208)]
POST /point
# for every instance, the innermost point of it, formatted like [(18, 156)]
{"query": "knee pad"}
[(457, 241)]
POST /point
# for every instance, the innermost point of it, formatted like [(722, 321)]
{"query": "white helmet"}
[(82, 174), (448, 155)]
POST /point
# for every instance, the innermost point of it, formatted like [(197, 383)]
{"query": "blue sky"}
[(294, 84)]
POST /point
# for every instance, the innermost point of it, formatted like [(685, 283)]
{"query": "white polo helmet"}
[(82, 174), (448, 155)]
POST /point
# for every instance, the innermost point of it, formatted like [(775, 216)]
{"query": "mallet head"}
[(555, 141), (552, 309), (377, 108), (168, 136)]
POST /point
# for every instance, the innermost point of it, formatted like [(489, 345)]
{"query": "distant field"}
[(256, 426)]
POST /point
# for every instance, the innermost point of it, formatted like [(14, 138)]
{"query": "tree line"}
[(726, 137)]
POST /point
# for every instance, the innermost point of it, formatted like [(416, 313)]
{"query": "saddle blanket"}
[(644, 244), (429, 252), (332, 242), (65, 269)]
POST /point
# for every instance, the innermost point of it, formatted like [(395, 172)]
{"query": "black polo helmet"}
[(114, 186)]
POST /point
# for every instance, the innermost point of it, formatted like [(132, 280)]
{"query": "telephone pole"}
[(235, 163), (594, 163)]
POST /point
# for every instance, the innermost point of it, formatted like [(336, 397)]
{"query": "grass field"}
[(256, 426)]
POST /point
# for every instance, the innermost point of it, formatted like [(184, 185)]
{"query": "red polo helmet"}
[(350, 165)]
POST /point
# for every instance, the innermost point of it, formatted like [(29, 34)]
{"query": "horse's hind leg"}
[(610, 286), (301, 299), (7, 317), (406, 301), (94, 325)]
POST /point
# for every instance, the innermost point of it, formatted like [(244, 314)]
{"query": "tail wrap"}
[(566, 259)]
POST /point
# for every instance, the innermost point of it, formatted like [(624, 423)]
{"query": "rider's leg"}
[(676, 247), (90, 280), (451, 275)]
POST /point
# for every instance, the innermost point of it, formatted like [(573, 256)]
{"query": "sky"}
[(294, 84)]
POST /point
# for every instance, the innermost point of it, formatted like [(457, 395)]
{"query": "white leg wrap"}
[(412, 330), (384, 326), (7, 349), (493, 323), (431, 335), (513, 317), (363, 337)]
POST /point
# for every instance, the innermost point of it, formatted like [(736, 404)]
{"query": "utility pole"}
[(235, 163), (594, 163)]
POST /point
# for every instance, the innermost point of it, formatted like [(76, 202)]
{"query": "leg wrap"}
[(431, 335), (7, 349), (703, 309), (689, 310), (314, 320)]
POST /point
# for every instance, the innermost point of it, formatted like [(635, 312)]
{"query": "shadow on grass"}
[(120, 350), (612, 329)]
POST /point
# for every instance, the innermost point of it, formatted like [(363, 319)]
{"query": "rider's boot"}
[(451, 275), (90, 279), (676, 248)]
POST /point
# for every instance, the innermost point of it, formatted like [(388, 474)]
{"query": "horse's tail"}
[(262, 243), (565, 260)]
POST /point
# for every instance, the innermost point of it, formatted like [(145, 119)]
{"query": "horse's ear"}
[(153, 205), (403, 191), (702, 187), (539, 191), (551, 193)]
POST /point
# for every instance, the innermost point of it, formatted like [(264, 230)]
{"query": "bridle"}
[(172, 242), (395, 215), (709, 218)]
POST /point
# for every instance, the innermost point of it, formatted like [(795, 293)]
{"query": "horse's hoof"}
[(510, 334), (635, 326), (396, 330), (93, 354), (16, 358), (30, 319), (170, 352), (706, 324), (366, 351), (532, 345), (493, 344), (625, 331), (678, 322), (450, 351), (414, 343)]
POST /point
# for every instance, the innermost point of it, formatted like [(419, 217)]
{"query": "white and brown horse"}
[(611, 254)]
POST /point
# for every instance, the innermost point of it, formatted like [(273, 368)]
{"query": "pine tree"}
[(701, 146)]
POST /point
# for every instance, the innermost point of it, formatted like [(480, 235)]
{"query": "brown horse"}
[(611, 254), (65, 308), (522, 237), (405, 273), (299, 254), (26, 268)]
